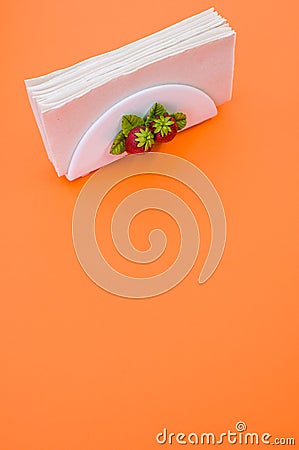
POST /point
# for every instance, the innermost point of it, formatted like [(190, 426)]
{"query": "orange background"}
[(82, 369)]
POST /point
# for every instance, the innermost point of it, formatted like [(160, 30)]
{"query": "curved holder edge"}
[(92, 151)]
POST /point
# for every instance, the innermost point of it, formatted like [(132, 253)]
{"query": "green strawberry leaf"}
[(118, 145), (180, 119), (156, 110), (163, 125), (129, 122), (145, 138)]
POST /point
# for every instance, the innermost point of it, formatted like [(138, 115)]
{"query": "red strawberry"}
[(140, 139), (164, 127)]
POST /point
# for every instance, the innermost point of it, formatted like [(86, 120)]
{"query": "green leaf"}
[(156, 110), (129, 122), (118, 145), (181, 119)]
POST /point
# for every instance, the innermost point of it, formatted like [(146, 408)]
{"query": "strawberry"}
[(164, 127), (138, 134), (140, 139)]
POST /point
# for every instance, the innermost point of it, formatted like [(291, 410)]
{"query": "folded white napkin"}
[(197, 52)]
